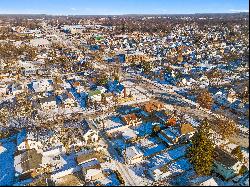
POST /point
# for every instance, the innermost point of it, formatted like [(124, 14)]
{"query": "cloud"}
[(74, 9), (234, 10)]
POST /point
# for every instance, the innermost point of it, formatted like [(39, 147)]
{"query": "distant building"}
[(40, 42)]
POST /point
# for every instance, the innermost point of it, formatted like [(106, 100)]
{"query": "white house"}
[(90, 135), (48, 103), (40, 42), (28, 141), (129, 134), (42, 86), (231, 97), (132, 155), (225, 164), (3, 89), (68, 100)]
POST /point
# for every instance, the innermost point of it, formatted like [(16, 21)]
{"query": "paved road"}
[(191, 108), (117, 159)]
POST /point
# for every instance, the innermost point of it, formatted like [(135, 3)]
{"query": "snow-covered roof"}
[(39, 41), (133, 152), (204, 181), (129, 134)]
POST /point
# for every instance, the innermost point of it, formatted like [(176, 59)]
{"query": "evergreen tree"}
[(201, 151)]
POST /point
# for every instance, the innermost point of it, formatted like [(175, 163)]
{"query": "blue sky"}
[(115, 7)]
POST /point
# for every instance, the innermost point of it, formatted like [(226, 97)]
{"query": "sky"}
[(119, 7)]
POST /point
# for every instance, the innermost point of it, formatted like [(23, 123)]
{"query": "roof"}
[(87, 157), (204, 181), (95, 92), (128, 134), (91, 164), (129, 117), (48, 99), (153, 105), (168, 134), (186, 128), (69, 180), (30, 159), (224, 158), (132, 152)]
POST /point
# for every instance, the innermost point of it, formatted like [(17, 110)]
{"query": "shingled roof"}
[(224, 158)]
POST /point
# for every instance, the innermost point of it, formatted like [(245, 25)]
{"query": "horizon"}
[(145, 14), (118, 7)]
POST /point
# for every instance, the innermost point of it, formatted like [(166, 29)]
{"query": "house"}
[(203, 181), (88, 159), (90, 164), (95, 95), (89, 135), (132, 155), (69, 180), (15, 88), (170, 135), (28, 164), (3, 89), (91, 170), (129, 135), (231, 97), (68, 100), (152, 106), (93, 174), (108, 96), (26, 140), (40, 42), (28, 68), (42, 85), (131, 119), (225, 164), (48, 103)]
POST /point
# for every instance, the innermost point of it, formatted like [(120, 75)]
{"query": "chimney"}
[(125, 93)]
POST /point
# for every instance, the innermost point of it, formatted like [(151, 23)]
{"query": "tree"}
[(237, 153), (103, 99), (102, 80), (225, 128), (201, 151), (156, 128), (146, 66), (205, 99), (116, 77)]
